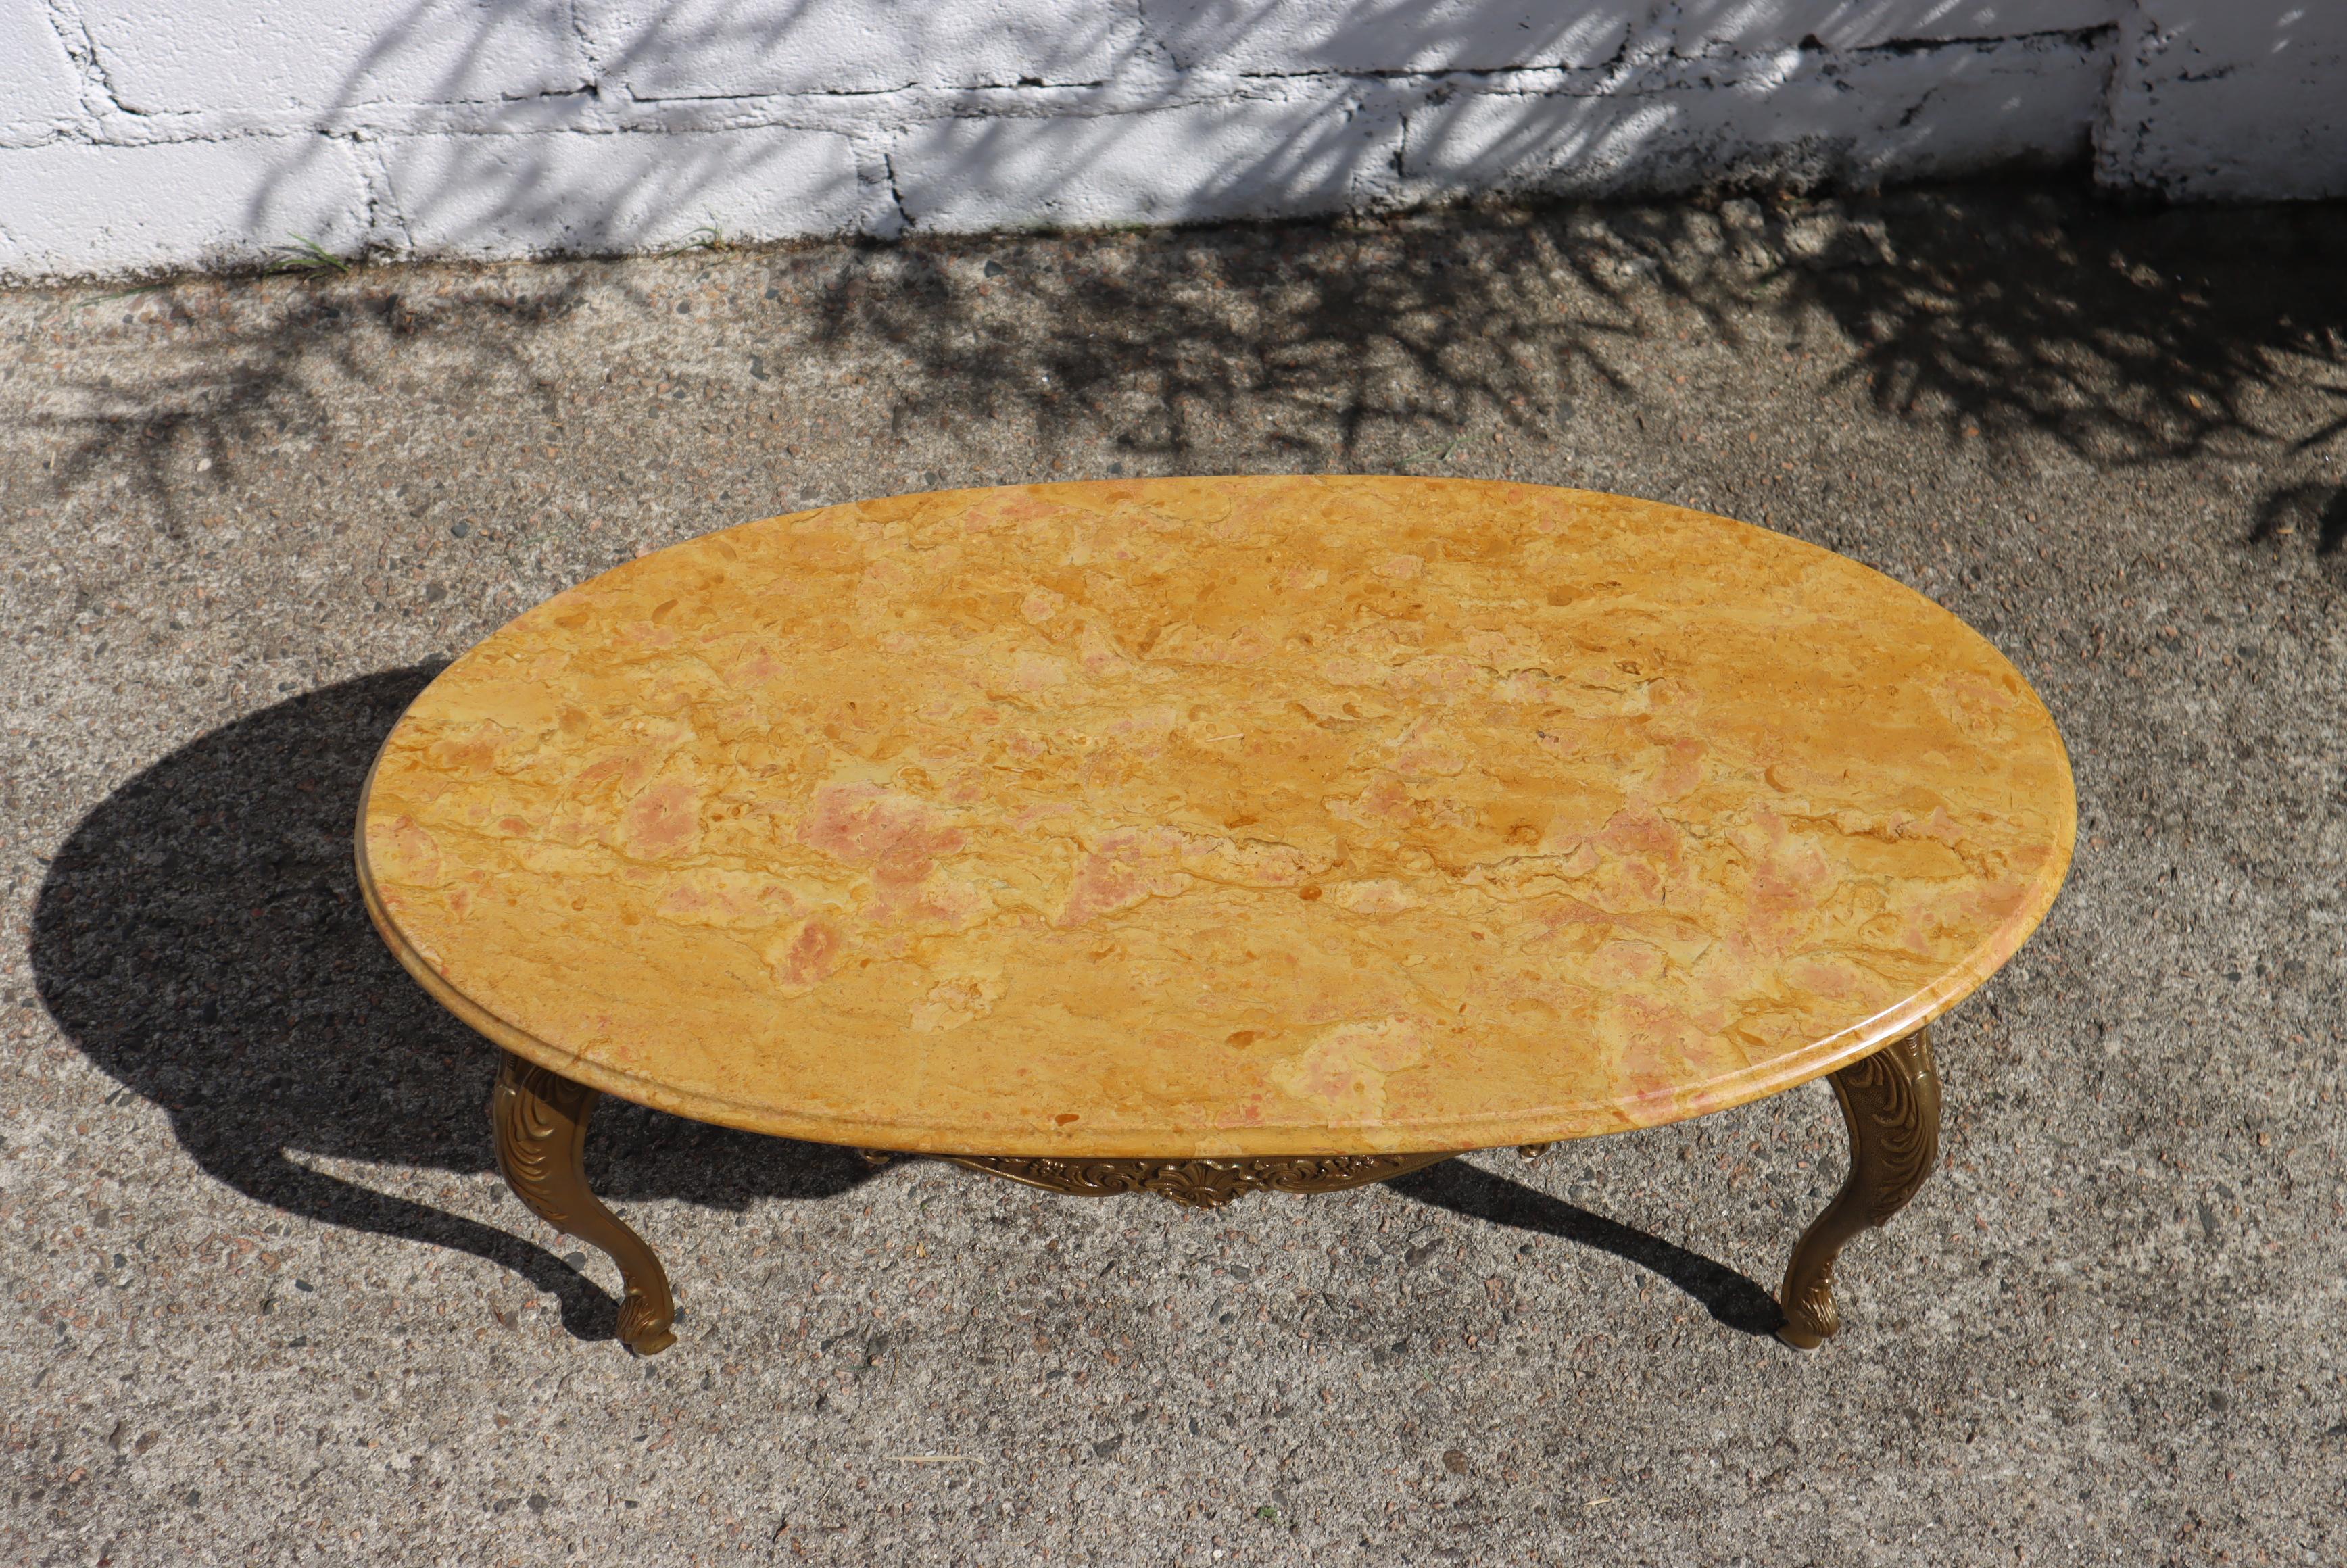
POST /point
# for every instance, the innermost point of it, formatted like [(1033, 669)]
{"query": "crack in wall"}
[(896, 193), (80, 46), (591, 92), (374, 180), (821, 94), (2085, 39)]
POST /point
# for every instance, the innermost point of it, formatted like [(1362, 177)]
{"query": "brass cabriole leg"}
[(1891, 1101), (540, 1118)]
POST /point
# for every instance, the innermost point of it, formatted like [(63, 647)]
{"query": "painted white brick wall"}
[(657, 49), (251, 65), (1306, 146), (1859, 118), (2229, 101), (140, 135)]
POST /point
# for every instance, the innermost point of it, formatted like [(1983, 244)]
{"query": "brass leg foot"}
[(540, 1118), (1891, 1101)]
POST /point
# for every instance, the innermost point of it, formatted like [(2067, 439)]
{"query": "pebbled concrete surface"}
[(267, 1303)]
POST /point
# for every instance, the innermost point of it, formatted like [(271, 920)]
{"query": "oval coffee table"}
[(1202, 835)]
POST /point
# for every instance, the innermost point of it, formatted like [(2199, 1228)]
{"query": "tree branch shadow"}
[(2011, 315), (2006, 314), (261, 369)]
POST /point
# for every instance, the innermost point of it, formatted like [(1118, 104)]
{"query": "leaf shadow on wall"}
[(200, 938)]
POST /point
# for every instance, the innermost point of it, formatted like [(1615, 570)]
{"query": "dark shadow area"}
[(200, 938), (1477, 1195), (1984, 311), (2002, 313), (2313, 508), (226, 389)]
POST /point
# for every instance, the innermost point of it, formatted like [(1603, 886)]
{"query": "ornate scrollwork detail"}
[(1891, 1091), (1199, 1184), (1891, 1101), (534, 1113), (540, 1122)]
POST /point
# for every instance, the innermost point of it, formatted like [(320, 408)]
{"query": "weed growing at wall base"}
[(307, 259)]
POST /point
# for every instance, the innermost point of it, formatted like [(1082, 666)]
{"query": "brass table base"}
[(1201, 1183), (1891, 1101)]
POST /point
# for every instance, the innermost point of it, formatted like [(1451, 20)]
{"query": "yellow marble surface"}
[(1217, 817)]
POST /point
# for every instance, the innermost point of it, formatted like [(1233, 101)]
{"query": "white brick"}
[(71, 207), (40, 91), (1285, 37), (500, 196), (1231, 158), (731, 48), (1946, 111), (1695, 24), (2215, 102), (1963, 111), (293, 63)]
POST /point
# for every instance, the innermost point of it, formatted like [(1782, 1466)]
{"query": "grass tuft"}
[(307, 259)]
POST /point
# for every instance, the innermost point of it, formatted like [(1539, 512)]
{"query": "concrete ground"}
[(269, 1306)]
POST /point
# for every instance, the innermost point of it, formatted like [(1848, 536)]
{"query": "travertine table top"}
[(1217, 817)]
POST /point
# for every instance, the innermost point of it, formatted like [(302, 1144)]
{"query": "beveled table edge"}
[(1547, 1125)]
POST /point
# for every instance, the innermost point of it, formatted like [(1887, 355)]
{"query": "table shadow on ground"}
[(200, 938), (1730, 1297)]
